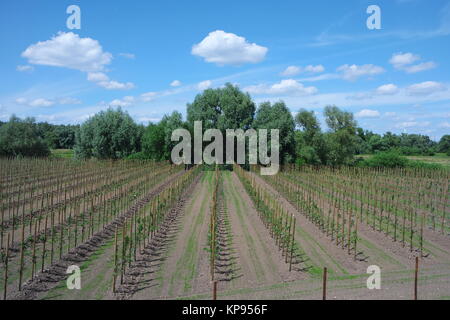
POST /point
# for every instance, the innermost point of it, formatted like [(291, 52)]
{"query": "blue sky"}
[(153, 57)]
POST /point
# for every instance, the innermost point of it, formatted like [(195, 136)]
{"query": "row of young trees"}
[(113, 134)]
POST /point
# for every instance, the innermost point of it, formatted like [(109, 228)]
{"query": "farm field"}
[(146, 230), (439, 158)]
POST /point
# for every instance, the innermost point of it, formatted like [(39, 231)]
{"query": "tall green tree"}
[(153, 142), (342, 138), (110, 134), (310, 143), (156, 142), (444, 144), (222, 108), (278, 116), (21, 138)]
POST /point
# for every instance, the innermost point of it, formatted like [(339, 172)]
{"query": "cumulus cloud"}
[(97, 76), (367, 113), (420, 67), (204, 85), (425, 88), (175, 83), (291, 71), (102, 80), (124, 102), (21, 100), (294, 70), (24, 68), (404, 62), (387, 89), (40, 102), (43, 102), (412, 124), (444, 125), (288, 86), (70, 51), (69, 100), (148, 96), (224, 48), (315, 69), (115, 85), (353, 72), (149, 119), (398, 60)]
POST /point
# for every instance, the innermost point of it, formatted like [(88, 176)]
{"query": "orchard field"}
[(147, 230)]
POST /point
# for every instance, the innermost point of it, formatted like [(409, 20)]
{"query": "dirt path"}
[(186, 268), (259, 260)]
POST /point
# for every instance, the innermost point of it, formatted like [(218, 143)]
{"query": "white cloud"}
[(40, 102), (103, 80), (291, 71), (25, 68), (425, 88), (124, 102), (390, 114), (97, 76), (294, 70), (70, 51), (399, 60), (404, 62), (326, 76), (21, 100), (315, 69), (69, 100), (175, 83), (444, 125), (148, 96), (353, 72), (420, 67), (43, 102), (127, 55), (413, 124), (225, 48), (149, 119), (204, 85), (288, 86), (367, 113), (115, 85), (387, 89)]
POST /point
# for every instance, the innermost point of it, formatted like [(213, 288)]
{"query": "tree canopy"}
[(278, 116), (110, 134), (21, 138)]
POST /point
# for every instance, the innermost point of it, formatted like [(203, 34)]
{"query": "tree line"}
[(113, 134), (26, 138)]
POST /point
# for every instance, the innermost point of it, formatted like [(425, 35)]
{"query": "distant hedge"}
[(392, 159), (20, 138)]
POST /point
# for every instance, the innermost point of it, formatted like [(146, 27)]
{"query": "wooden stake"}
[(5, 284), (214, 290), (292, 246), (416, 275), (115, 261), (324, 286)]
